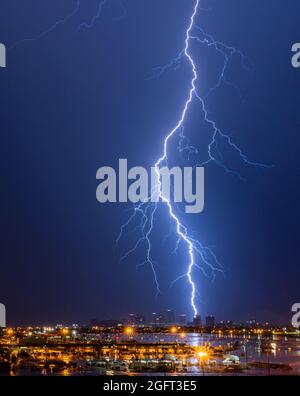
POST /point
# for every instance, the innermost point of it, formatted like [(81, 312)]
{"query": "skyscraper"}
[(210, 321), (135, 319), (157, 319), (197, 320), (182, 319), (170, 316)]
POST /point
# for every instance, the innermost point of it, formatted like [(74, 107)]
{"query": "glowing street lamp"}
[(65, 332), (202, 354), (129, 330)]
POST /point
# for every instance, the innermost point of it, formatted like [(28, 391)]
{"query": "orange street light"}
[(129, 330), (202, 354)]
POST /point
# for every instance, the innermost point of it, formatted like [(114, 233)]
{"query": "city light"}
[(151, 351), (202, 354), (129, 330)]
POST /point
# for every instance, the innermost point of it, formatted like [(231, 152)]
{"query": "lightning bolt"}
[(180, 229), (69, 16), (51, 28), (95, 17), (147, 210)]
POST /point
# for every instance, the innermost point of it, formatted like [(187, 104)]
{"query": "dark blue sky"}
[(73, 101)]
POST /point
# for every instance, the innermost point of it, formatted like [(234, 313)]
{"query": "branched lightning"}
[(227, 52), (147, 210), (174, 63), (180, 229), (95, 17), (69, 16), (51, 28), (143, 215)]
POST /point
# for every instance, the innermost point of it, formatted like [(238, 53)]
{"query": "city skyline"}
[(137, 319), (58, 256)]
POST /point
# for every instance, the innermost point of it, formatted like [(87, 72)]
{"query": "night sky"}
[(75, 100)]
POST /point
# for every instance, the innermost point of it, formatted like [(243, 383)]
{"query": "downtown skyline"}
[(65, 115)]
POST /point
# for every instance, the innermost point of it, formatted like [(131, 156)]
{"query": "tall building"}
[(157, 319), (135, 319), (182, 319), (197, 320), (210, 321), (170, 316), (226, 324)]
